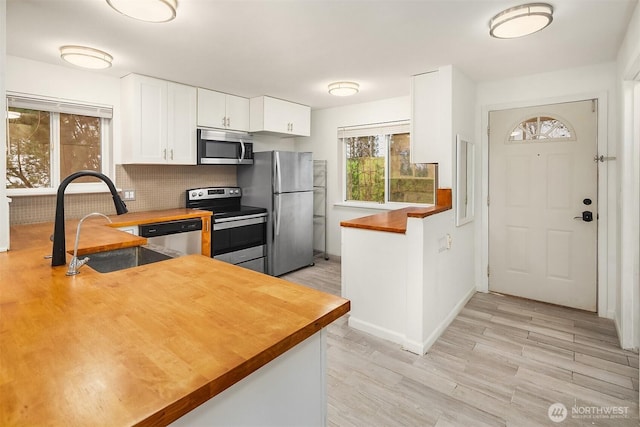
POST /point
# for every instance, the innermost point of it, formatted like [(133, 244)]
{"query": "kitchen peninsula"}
[(190, 336), (392, 266)]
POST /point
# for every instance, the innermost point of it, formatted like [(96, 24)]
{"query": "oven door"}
[(241, 241)]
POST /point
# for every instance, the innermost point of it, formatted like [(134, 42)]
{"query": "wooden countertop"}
[(137, 218), (141, 346), (396, 221)]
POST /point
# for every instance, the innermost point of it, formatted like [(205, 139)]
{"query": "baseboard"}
[(431, 339), (375, 330)]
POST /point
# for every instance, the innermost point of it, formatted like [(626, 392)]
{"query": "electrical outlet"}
[(128, 195)]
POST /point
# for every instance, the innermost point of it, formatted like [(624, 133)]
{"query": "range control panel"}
[(213, 193)]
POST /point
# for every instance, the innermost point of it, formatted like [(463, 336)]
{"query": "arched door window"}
[(542, 129)]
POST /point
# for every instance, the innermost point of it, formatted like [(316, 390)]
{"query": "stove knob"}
[(193, 194), (200, 194)]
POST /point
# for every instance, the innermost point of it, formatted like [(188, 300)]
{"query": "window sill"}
[(88, 188), (380, 206)]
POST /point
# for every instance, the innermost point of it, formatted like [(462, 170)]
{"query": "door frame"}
[(606, 197)]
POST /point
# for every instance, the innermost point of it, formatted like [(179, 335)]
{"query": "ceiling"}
[(294, 49)]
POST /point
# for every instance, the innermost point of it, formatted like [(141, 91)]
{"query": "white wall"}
[(4, 205), (628, 283), (595, 81), (323, 142)]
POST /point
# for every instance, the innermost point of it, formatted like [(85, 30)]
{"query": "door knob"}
[(587, 216)]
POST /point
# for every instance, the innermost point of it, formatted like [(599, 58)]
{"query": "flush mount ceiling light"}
[(521, 20), (146, 10), (344, 88), (86, 57)]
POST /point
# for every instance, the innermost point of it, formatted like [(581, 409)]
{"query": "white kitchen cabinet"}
[(158, 121), (431, 97), (222, 111), (273, 115)]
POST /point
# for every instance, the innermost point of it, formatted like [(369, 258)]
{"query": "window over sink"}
[(50, 139), (377, 166)]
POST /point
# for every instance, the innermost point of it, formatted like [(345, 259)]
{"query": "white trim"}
[(431, 339), (375, 330), (606, 308), (84, 188), (390, 206)]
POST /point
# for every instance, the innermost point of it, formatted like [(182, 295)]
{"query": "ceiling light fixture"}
[(521, 20), (146, 10), (344, 88), (86, 57)]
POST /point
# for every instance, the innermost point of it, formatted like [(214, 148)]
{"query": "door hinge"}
[(594, 105), (487, 200), (488, 272), (488, 131)]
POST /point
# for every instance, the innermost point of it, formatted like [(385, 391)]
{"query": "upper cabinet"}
[(222, 111), (442, 105), (431, 116), (158, 121), (280, 117)]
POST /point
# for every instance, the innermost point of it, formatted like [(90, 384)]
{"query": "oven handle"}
[(236, 218), (238, 223)]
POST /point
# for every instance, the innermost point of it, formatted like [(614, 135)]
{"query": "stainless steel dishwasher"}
[(182, 236)]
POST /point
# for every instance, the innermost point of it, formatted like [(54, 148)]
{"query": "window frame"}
[(55, 106), (387, 204)]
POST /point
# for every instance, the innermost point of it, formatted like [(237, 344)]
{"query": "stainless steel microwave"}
[(217, 147)]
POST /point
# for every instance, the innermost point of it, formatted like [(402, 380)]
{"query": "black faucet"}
[(59, 253)]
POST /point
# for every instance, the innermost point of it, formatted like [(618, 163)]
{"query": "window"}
[(541, 129), (378, 167), (49, 140)]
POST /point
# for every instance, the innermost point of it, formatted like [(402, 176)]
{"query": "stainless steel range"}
[(239, 232)]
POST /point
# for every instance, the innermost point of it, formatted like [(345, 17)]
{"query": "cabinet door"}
[(151, 99), (276, 115), (300, 119), (211, 108), (181, 124), (237, 113)]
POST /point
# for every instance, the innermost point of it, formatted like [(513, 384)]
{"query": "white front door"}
[(542, 175)]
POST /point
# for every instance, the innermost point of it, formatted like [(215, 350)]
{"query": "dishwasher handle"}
[(170, 227)]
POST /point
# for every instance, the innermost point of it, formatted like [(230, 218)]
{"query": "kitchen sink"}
[(120, 259)]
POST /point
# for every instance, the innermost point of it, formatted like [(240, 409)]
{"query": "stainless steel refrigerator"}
[(282, 182)]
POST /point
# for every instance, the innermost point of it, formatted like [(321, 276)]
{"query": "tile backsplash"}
[(156, 187)]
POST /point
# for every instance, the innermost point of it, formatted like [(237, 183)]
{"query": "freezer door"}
[(292, 245), (292, 171)]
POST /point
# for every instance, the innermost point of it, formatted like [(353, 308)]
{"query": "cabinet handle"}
[(172, 154), (164, 154), (228, 122), (224, 122)]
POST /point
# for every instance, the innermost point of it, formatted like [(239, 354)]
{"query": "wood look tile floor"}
[(502, 362)]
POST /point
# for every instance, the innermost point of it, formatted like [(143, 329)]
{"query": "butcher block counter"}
[(396, 221), (141, 346)]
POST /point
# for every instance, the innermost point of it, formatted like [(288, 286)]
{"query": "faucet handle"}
[(75, 264)]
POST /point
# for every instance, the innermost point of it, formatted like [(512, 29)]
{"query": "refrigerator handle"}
[(278, 173), (277, 232)]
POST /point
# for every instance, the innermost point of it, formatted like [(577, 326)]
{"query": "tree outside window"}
[(378, 167), (44, 147)]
